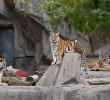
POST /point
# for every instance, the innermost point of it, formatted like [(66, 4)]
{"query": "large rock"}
[(49, 77), (70, 69), (68, 72)]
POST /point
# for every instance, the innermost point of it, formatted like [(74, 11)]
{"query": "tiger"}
[(60, 45), (2, 69), (106, 61), (100, 63)]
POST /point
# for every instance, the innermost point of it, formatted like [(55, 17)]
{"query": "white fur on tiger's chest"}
[(2, 69), (54, 51), (1, 75)]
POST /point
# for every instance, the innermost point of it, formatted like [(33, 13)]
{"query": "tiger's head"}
[(103, 55), (54, 36), (2, 64)]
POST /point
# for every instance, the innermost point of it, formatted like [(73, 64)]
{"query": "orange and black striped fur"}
[(2, 68), (99, 63), (60, 45)]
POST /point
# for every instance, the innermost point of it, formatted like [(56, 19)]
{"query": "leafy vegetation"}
[(86, 16)]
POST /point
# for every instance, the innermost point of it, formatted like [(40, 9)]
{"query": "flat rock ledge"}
[(63, 92)]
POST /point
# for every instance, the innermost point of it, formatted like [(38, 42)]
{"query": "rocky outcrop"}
[(99, 43), (68, 72), (106, 48), (27, 38), (68, 92), (70, 69)]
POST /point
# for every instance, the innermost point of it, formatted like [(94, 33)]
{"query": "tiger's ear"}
[(57, 33), (100, 52), (50, 33)]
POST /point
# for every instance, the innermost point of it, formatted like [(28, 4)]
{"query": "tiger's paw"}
[(53, 63), (69, 52), (58, 62)]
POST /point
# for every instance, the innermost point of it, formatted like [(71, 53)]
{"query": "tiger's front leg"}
[(1, 83), (59, 58), (1, 75), (54, 60)]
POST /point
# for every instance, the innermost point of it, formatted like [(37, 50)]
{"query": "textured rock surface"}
[(68, 92), (106, 48), (49, 77), (98, 74), (70, 69), (26, 37), (68, 72)]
